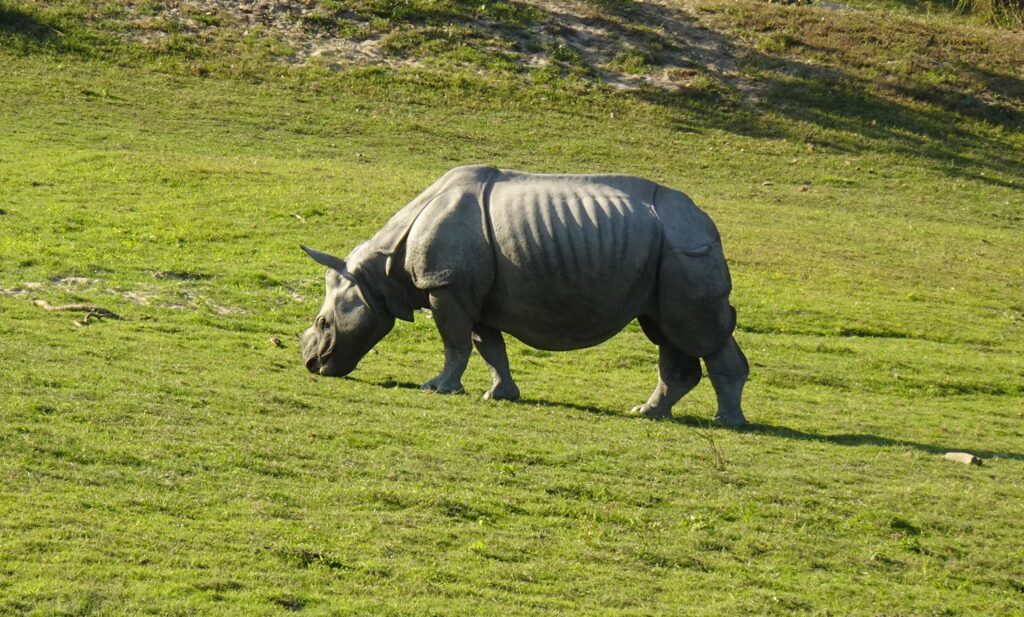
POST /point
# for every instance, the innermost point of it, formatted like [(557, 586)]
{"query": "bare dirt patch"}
[(176, 297), (632, 44), (668, 44)]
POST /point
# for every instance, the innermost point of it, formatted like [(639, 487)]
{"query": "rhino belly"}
[(573, 266)]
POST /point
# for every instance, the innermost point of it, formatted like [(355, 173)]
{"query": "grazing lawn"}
[(868, 187)]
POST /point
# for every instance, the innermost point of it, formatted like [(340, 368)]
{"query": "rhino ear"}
[(332, 262)]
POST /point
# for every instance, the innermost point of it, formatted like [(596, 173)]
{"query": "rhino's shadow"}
[(860, 439), (842, 439), (558, 404), (387, 383), (783, 432)]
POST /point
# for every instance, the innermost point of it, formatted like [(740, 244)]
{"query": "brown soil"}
[(689, 50)]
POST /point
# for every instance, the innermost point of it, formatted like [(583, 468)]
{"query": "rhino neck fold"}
[(388, 290)]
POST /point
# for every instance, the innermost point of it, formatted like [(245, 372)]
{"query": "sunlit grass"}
[(181, 462)]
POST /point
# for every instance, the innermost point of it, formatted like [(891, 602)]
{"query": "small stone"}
[(963, 457), (276, 341)]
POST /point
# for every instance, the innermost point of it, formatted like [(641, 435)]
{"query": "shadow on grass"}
[(21, 24), (388, 384), (30, 29), (845, 439), (943, 132), (562, 405), (408, 385), (857, 440), (917, 113), (936, 105)]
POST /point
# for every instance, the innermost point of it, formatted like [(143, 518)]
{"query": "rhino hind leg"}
[(491, 346), (694, 314), (456, 330), (728, 370), (678, 373)]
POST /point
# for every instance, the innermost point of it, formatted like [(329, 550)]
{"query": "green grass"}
[(179, 462)]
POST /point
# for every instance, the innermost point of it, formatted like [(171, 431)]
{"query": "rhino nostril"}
[(313, 364)]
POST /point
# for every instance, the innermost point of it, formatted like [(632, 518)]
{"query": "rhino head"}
[(348, 325)]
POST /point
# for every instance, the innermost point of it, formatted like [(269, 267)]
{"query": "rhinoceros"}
[(559, 262)]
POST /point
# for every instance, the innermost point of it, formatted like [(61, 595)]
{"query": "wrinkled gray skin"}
[(559, 262)]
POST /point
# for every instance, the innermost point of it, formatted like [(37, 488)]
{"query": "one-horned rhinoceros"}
[(558, 261)]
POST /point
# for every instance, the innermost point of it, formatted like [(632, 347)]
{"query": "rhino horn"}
[(332, 262)]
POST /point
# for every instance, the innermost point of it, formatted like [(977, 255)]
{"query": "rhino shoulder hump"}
[(392, 236), (468, 174), (685, 227)]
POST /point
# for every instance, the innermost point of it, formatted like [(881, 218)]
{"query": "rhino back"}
[(575, 256)]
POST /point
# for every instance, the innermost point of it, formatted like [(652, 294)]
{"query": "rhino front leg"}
[(456, 329), (677, 375), (491, 346), (728, 370)]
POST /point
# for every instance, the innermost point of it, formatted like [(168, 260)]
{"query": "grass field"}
[(869, 190)]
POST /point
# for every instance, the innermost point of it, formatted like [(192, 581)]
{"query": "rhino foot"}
[(502, 392), (652, 412), (440, 387), (733, 420)]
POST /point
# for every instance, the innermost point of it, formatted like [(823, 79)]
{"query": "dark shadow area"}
[(920, 7), (844, 439), (932, 117), (51, 29), (840, 102), (785, 74), (856, 440), (695, 422), (584, 408), (407, 385), (20, 24), (848, 439), (387, 383)]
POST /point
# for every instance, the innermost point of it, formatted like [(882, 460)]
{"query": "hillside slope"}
[(914, 79), (623, 42)]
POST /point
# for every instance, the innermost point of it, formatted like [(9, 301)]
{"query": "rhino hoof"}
[(442, 389), (651, 412), (732, 420), (502, 394)]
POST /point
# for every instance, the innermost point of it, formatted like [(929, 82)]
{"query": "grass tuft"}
[(1009, 13)]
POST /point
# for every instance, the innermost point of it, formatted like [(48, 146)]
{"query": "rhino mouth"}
[(313, 364), (318, 354), (317, 348), (328, 367)]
